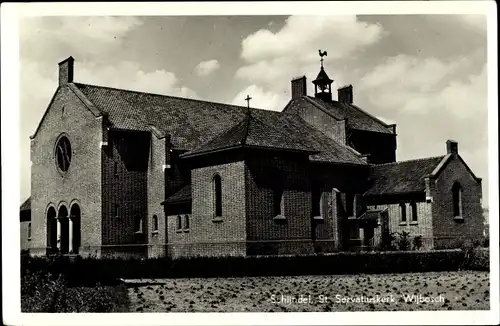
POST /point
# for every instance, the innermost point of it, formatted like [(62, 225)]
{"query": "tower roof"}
[(322, 78)]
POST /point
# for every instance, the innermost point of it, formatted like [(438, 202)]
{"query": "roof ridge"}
[(370, 115), (312, 99), (412, 160), (171, 96)]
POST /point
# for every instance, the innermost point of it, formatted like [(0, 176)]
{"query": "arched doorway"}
[(51, 230), (64, 230), (75, 216)]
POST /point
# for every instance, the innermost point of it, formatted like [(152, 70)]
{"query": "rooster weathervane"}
[(322, 54)]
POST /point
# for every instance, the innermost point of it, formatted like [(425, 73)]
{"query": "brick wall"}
[(422, 227), (125, 171), (262, 229), (156, 195), (449, 232), (81, 182), (208, 236)]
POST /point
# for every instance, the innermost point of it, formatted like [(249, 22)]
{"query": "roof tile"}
[(402, 177)]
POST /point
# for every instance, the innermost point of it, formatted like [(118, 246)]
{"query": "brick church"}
[(122, 173)]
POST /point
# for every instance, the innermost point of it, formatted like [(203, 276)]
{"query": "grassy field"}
[(465, 290)]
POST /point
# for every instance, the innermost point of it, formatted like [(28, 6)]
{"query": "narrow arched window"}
[(179, 222), (316, 202), (137, 223), (414, 213), (29, 231), (186, 222), (402, 207), (217, 192), (278, 194), (155, 223), (457, 199)]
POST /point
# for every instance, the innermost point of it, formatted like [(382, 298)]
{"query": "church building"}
[(117, 172)]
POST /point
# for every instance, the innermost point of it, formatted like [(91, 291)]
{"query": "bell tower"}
[(323, 83)]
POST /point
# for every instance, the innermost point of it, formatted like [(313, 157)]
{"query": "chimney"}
[(299, 87), (345, 94), (451, 147), (66, 71)]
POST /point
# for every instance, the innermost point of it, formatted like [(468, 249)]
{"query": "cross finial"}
[(248, 100)]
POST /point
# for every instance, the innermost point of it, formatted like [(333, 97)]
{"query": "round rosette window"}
[(63, 153)]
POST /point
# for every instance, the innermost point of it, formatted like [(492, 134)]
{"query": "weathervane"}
[(322, 54)]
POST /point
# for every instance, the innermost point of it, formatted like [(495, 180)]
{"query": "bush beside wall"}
[(43, 291), (88, 271)]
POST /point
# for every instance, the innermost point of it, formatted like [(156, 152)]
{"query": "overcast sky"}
[(427, 73)]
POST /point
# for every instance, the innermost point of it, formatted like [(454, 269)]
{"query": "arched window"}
[(179, 222), (29, 231), (137, 223), (414, 216), (316, 202), (186, 222), (217, 191), (278, 195), (457, 199), (116, 210), (402, 206), (155, 223)]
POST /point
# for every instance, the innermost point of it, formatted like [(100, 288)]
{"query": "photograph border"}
[(10, 16)]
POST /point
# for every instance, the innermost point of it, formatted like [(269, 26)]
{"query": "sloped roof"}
[(182, 195), (402, 177), (26, 206), (193, 123), (356, 117), (190, 122), (322, 77), (254, 132), (372, 214)]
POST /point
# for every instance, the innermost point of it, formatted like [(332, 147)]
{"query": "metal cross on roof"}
[(248, 100)]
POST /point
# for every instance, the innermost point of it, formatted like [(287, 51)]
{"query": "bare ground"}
[(465, 290)]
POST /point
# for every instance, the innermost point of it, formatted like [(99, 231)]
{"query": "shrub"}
[(42, 291), (417, 242), (486, 242), (403, 241)]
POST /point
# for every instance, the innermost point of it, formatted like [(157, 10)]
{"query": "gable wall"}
[(449, 232), (82, 182), (317, 118)]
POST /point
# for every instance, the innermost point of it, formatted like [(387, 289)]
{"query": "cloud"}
[(261, 99), (271, 60), (475, 21), (128, 75), (83, 35), (431, 101), (205, 68), (421, 85), (302, 36)]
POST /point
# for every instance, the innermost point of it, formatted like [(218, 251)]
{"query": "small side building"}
[(25, 219), (436, 198)]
